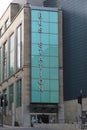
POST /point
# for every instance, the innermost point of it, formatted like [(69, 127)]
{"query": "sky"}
[(3, 6), (5, 3)]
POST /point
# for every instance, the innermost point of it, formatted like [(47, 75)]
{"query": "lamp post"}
[(2, 111), (80, 102), (3, 105), (81, 110)]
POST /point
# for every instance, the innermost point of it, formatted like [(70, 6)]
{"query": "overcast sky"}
[(3, 5)]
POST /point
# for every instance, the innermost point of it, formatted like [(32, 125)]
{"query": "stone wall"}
[(73, 110)]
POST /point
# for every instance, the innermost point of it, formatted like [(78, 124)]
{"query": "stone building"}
[(31, 65)]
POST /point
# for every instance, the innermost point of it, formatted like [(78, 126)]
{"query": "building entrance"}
[(43, 118)]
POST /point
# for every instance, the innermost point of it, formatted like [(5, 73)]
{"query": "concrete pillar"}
[(26, 53), (61, 103), (8, 57), (25, 98), (25, 115)]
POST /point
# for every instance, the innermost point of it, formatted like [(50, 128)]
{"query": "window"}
[(6, 23), (18, 91), (0, 32), (11, 96), (0, 65), (19, 46), (12, 54), (5, 61)]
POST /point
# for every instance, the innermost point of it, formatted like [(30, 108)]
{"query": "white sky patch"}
[(5, 3), (3, 6)]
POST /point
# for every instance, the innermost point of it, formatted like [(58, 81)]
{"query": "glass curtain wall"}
[(44, 56)]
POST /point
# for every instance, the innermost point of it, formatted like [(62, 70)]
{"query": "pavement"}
[(6, 127), (23, 128)]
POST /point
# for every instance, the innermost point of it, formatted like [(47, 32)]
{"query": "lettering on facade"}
[(40, 45)]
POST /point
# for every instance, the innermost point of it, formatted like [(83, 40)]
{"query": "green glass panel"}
[(53, 50), (35, 96), (35, 27), (45, 62), (36, 61), (53, 39), (35, 49), (45, 16), (53, 61), (45, 96), (35, 38), (35, 84), (45, 38), (53, 73), (45, 27), (45, 85), (48, 52), (54, 17), (54, 85), (35, 15), (54, 97), (45, 73), (35, 72), (45, 50), (54, 28)]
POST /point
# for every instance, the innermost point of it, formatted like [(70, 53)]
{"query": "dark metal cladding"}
[(50, 3), (74, 46)]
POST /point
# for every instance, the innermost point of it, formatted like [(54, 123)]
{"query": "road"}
[(18, 128)]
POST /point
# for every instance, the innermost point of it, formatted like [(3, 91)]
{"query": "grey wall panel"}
[(74, 47), (51, 3)]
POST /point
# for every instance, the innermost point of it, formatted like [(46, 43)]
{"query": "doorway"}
[(43, 118)]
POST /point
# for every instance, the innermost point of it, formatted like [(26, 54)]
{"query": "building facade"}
[(31, 65), (74, 55)]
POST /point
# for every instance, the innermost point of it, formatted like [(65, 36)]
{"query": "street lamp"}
[(80, 102)]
